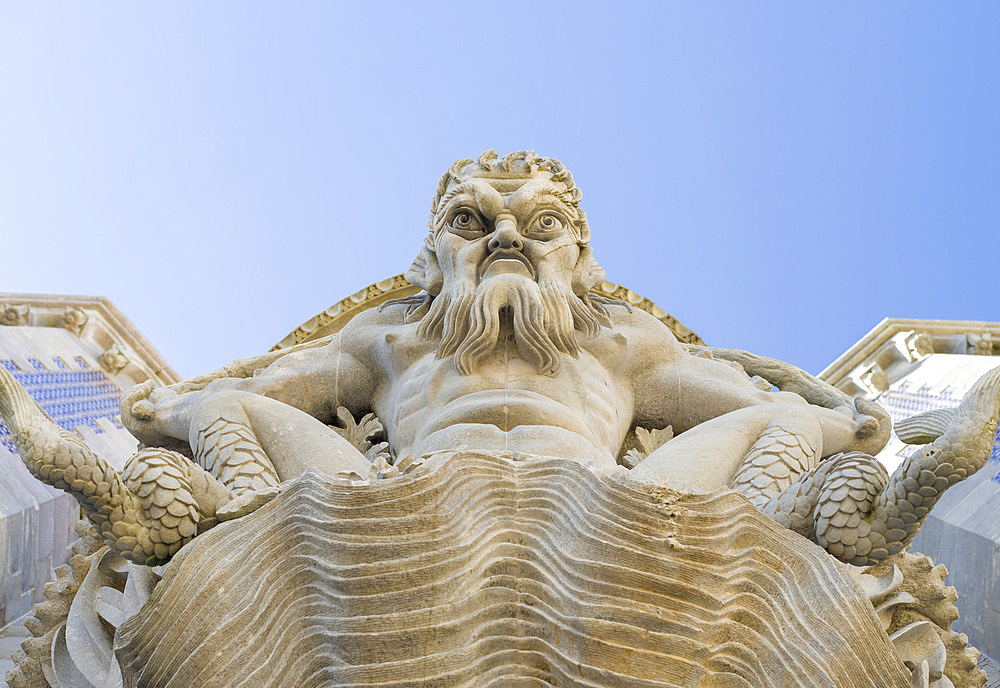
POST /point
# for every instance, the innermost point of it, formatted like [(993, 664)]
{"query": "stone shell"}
[(476, 570)]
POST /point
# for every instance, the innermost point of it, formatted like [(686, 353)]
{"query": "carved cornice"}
[(895, 346), (126, 355), (336, 316), (618, 291)]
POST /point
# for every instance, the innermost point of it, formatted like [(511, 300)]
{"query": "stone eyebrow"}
[(558, 196), (561, 199), (464, 187)]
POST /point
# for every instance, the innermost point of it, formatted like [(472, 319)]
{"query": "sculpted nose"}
[(506, 236)]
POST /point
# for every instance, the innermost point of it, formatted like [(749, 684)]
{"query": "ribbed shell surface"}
[(476, 570)]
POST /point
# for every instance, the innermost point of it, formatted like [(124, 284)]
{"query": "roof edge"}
[(105, 327)]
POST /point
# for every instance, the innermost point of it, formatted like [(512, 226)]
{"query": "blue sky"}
[(778, 176)]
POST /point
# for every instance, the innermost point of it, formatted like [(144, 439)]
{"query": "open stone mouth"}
[(507, 261)]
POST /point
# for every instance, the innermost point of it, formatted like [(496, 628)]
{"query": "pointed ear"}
[(425, 272), (587, 274)]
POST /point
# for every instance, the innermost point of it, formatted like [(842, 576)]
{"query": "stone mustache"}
[(508, 352)]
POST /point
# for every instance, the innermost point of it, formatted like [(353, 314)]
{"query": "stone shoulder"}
[(391, 315), (365, 330), (640, 326)]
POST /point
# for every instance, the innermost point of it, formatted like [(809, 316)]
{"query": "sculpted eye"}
[(466, 221), (547, 223)]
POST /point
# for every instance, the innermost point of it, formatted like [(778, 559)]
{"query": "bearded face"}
[(506, 261)]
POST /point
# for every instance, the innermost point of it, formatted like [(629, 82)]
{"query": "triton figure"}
[(508, 350)]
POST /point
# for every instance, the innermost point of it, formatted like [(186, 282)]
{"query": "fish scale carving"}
[(229, 451), (146, 513), (773, 463), (859, 513)]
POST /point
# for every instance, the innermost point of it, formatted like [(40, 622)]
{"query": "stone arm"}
[(683, 389), (686, 391), (874, 423), (733, 431), (313, 380)]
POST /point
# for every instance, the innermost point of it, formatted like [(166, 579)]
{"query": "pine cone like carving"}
[(158, 478)]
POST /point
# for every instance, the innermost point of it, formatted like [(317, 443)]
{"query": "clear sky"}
[(778, 176)]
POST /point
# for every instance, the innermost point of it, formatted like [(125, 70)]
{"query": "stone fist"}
[(141, 412), (873, 425)]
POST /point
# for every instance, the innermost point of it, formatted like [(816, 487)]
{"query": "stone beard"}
[(541, 318)]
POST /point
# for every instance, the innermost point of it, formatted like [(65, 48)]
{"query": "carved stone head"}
[(507, 253), (518, 214)]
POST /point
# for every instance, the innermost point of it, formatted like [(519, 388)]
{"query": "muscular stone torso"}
[(583, 412)]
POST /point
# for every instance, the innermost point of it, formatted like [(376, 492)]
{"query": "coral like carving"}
[(361, 434), (642, 442), (920, 601), (76, 626), (33, 663)]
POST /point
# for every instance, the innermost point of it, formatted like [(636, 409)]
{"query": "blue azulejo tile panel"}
[(72, 397)]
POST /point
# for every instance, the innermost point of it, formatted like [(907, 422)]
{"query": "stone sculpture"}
[(508, 386)]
